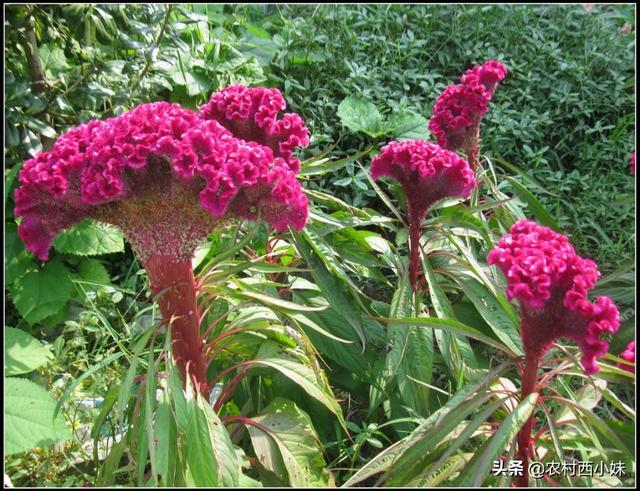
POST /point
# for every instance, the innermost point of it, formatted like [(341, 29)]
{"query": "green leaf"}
[(411, 354), (534, 206), (305, 377), (29, 420), (495, 311), (454, 327), (22, 352), (407, 126), (477, 470), (90, 238), (17, 261), (40, 294), (40, 127), (93, 271), (293, 437), (211, 457), (358, 114)]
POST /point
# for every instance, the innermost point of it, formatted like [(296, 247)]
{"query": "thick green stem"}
[(173, 281), (529, 379)]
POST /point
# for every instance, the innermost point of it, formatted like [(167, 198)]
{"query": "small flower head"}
[(163, 174), (426, 172), (487, 75), (629, 354), (457, 114), (552, 282), (459, 109), (632, 163)]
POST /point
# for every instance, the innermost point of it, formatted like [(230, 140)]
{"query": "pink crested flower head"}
[(552, 283), (487, 75), (632, 163), (426, 172), (629, 354), (457, 114), (163, 174), (252, 114)]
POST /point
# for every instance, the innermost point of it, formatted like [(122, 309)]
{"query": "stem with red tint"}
[(173, 281), (415, 223), (529, 378)]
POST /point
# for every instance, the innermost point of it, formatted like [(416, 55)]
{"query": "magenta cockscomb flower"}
[(459, 109), (167, 177), (427, 174), (551, 283), (629, 354), (487, 75), (632, 163)]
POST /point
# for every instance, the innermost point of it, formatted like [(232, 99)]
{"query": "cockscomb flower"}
[(487, 75), (632, 163), (629, 354), (457, 113), (166, 176), (552, 282), (427, 174), (252, 114)]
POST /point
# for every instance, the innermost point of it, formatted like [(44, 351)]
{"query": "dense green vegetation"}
[(362, 365)]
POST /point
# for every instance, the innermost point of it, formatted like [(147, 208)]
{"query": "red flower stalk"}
[(459, 109), (427, 174), (166, 176), (629, 354), (551, 283)]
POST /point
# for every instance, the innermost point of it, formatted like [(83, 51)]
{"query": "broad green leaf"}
[(211, 457), (22, 352), (40, 294), (29, 417), (358, 114), (90, 238), (477, 470), (93, 271), (202, 466), (17, 261), (296, 441), (407, 126)]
